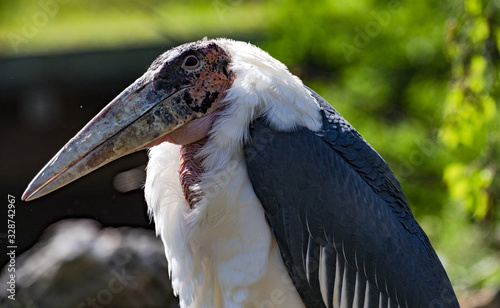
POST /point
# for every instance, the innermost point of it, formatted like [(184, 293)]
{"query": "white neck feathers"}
[(221, 253)]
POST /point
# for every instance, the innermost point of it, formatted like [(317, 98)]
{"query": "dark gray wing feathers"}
[(344, 228)]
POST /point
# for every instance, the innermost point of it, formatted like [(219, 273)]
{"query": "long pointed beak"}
[(132, 121)]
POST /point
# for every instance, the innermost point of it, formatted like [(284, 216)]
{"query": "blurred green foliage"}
[(41, 26), (470, 117), (418, 79)]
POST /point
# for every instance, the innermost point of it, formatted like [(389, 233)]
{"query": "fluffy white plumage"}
[(222, 252)]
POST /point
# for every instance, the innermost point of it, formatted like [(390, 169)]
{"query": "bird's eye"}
[(191, 63)]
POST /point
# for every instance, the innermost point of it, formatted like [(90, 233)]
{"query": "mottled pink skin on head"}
[(210, 82)]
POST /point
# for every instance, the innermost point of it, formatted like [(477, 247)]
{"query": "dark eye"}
[(191, 63)]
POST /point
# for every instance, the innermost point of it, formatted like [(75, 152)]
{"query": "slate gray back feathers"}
[(361, 246)]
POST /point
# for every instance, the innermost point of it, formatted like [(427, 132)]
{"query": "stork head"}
[(180, 99), (176, 100)]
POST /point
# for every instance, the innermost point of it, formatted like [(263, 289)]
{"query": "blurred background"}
[(418, 79)]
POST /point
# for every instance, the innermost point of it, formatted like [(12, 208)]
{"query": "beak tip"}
[(32, 192), (26, 195)]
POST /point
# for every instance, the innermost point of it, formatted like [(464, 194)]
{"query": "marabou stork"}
[(263, 194)]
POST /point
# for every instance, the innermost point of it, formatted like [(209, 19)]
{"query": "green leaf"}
[(473, 7), (480, 30), (477, 70)]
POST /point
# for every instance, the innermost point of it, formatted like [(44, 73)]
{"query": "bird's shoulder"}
[(346, 141)]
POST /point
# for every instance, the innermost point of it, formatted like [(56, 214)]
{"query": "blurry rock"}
[(77, 264)]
